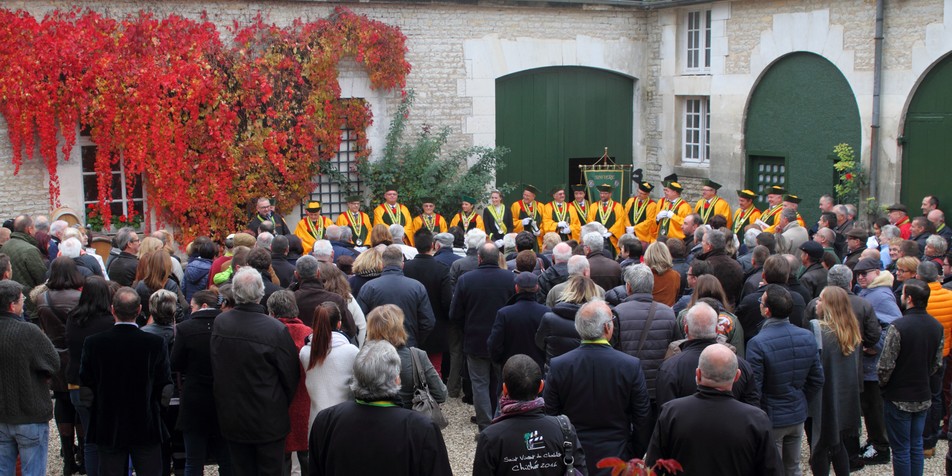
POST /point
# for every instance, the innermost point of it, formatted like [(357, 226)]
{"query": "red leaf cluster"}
[(638, 467), (209, 125)]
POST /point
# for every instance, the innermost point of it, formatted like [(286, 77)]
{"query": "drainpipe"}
[(877, 92)]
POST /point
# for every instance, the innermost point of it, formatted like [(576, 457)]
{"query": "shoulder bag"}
[(423, 402), (568, 446)]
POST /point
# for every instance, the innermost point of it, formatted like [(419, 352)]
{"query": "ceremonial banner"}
[(611, 176)]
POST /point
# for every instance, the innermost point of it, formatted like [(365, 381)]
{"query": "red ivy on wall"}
[(209, 125)]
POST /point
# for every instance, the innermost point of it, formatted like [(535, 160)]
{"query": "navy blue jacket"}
[(343, 249), (603, 392), (515, 329), (478, 296), (446, 256), (787, 372)]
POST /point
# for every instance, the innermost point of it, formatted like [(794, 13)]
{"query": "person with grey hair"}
[(340, 239), (676, 377), (577, 265), (710, 431), (399, 237), (614, 421), (324, 251), (727, 270), (557, 273), (393, 287), (311, 293), (695, 249), (509, 243), (404, 442), (162, 306), (29, 362), (444, 249), (256, 374), (474, 239), (750, 242), (122, 267), (264, 240), (645, 326), (844, 219), (605, 271), (266, 212), (935, 248), (73, 249), (790, 234), (57, 228)]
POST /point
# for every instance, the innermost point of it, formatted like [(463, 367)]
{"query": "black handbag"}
[(568, 446), (423, 402)]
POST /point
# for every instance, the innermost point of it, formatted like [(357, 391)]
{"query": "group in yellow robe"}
[(467, 218), (711, 205), (610, 214), (528, 207), (641, 211), (670, 226), (395, 213), (312, 226), (359, 224), (578, 209), (559, 211), (746, 214), (774, 213)]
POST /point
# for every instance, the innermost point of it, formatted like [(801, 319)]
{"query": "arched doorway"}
[(800, 109), (549, 118), (927, 139)]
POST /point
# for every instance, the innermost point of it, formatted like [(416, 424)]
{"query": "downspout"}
[(877, 93)]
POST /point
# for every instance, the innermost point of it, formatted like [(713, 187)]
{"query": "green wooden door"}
[(801, 108), (548, 116), (927, 139)]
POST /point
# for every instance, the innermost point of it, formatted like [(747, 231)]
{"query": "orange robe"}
[(641, 215), (310, 232), (359, 227), (612, 216)]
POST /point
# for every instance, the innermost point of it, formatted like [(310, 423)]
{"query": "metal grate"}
[(770, 171), (337, 178)]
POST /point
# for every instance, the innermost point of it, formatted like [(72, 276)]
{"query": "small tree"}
[(421, 168), (853, 183)]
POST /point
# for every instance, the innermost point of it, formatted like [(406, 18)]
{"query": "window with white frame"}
[(123, 199), (697, 42), (696, 131)]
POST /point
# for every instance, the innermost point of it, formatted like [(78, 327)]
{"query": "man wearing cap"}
[(467, 218), (746, 213), (356, 220), (771, 216), (428, 220), (855, 246), (557, 218), (710, 204), (811, 274), (899, 216), (673, 209), (609, 213), (266, 212), (311, 228), (579, 209), (641, 211), (390, 212), (527, 213)]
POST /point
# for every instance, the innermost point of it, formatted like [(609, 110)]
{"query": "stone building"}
[(744, 92)]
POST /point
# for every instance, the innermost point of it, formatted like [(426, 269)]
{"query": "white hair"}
[(58, 227), (323, 249), (639, 278), (591, 318), (702, 321), (562, 253), (71, 248), (264, 240), (888, 232), (578, 265), (593, 227), (593, 241), (247, 286), (397, 232), (474, 238), (750, 237)]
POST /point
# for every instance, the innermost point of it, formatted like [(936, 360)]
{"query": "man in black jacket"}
[(127, 371), (558, 273), (812, 275), (435, 278), (522, 432), (479, 295), (283, 268), (393, 287), (122, 268), (776, 271), (677, 378), (711, 432), (256, 372), (516, 324), (911, 354)]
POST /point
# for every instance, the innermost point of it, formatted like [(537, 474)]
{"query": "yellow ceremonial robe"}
[(579, 213), (553, 214), (476, 221), (439, 225), (360, 227), (612, 216), (718, 207), (742, 218), (641, 215), (672, 226), (309, 232), (402, 216)]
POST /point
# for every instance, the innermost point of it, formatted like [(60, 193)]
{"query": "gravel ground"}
[(461, 445)]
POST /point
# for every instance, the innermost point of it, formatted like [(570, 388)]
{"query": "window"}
[(698, 42), (338, 177), (696, 131), (123, 199)]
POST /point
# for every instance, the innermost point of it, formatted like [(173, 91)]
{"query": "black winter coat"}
[(748, 312), (557, 334), (256, 371), (122, 269), (632, 317), (501, 444), (677, 379), (728, 271), (814, 279), (392, 287), (435, 277), (191, 355), (310, 294), (515, 329), (556, 274), (479, 295)]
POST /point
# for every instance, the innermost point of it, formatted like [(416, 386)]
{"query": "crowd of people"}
[(698, 339)]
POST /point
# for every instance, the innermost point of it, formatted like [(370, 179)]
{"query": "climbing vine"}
[(208, 125)]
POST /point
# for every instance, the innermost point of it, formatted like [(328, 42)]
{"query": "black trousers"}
[(265, 459), (146, 459), (871, 401)]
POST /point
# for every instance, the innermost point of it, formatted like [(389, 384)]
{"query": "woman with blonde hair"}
[(667, 281), (367, 266), (836, 414), (150, 244), (557, 334), (335, 281), (905, 269), (386, 323)]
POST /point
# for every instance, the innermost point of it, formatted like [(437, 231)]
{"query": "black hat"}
[(467, 199), (605, 188), (579, 187), (712, 184), (556, 189), (866, 264), (532, 189), (745, 193), (427, 200), (775, 190), (313, 207), (791, 198), (389, 188), (527, 281), (353, 198), (858, 233), (645, 187), (813, 249), (898, 207), (671, 182)]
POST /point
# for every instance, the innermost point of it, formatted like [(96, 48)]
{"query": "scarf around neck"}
[(510, 407)]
